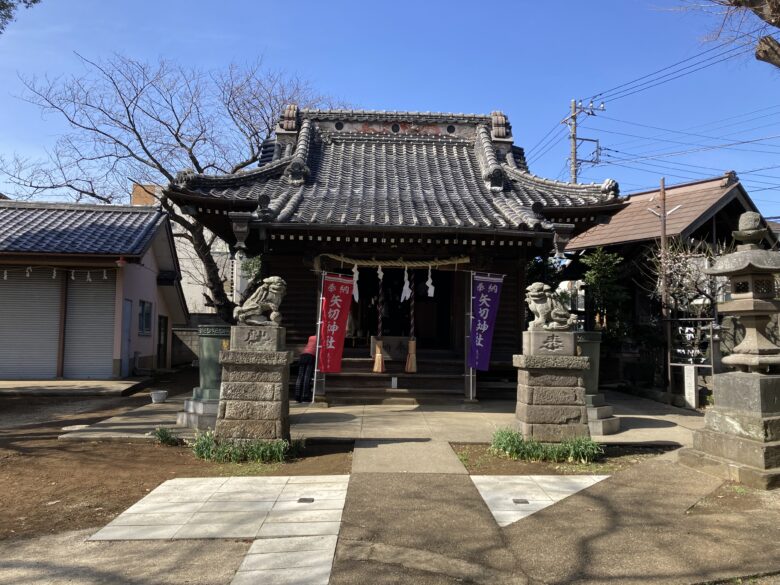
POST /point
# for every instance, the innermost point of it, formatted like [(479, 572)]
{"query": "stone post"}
[(254, 401), (200, 411), (550, 387)]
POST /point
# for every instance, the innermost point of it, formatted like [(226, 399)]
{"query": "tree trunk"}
[(222, 302), (768, 50)]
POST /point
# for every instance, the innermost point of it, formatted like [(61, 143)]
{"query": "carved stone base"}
[(254, 401), (741, 435), (551, 397), (549, 343)]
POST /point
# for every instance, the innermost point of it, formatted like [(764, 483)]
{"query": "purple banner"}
[(485, 294)]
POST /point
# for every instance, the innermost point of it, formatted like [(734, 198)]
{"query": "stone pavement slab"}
[(376, 456), (240, 507), (68, 558), (514, 497)]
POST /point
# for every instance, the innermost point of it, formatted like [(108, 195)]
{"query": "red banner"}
[(336, 300)]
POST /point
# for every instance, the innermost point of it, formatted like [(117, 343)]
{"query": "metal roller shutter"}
[(89, 327), (29, 324)]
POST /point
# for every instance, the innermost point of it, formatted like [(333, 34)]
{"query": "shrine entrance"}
[(433, 316)]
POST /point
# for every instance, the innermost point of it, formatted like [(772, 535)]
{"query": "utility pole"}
[(664, 283), (665, 291), (574, 140)]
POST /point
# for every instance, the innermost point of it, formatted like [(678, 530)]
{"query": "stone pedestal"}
[(200, 411), (601, 419), (254, 401), (741, 436), (551, 395)]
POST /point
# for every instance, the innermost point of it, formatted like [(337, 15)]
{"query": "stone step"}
[(599, 412), (357, 399), (192, 420), (595, 400), (761, 455), (207, 407), (604, 426)]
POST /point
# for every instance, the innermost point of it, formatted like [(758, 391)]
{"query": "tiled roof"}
[(53, 228), (425, 170), (685, 204)]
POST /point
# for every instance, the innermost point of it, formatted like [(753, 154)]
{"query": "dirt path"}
[(49, 486)]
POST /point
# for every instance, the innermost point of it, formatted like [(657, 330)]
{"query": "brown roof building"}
[(708, 209)]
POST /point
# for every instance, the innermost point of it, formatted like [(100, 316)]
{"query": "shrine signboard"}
[(336, 301), (486, 292)]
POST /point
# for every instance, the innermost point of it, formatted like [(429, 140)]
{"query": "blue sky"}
[(528, 59)]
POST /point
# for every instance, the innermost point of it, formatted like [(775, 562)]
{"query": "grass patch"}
[(166, 437), (512, 444), (207, 446)]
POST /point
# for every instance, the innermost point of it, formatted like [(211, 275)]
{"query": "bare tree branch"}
[(132, 121)]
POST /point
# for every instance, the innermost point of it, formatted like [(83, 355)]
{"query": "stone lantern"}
[(751, 271), (741, 436)]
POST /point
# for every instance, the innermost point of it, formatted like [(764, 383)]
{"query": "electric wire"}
[(619, 88)]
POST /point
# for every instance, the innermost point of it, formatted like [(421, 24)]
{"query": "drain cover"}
[(519, 501), (310, 500)]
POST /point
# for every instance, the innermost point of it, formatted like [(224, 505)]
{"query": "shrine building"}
[(434, 194)]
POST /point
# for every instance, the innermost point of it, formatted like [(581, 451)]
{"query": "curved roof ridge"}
[(607, 190), (492, 173), (188, 178)]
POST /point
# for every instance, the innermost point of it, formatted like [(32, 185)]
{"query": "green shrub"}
[(208, 447), (166, 437), (511, 443)]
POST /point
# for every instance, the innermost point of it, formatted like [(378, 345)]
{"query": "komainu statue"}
[(549, 312), (267, 298)]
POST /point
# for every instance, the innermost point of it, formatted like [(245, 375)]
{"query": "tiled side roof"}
[(635, 222), (52, 228), (370, 172)]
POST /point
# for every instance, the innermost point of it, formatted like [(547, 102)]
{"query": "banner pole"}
[(319, 327), (471, 332)]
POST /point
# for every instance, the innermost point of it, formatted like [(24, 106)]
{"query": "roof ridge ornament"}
[(501, 127), (289, 119), (610, 188), (492, 173)]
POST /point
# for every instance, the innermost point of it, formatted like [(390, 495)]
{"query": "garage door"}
[(89, 327), (29, 323)]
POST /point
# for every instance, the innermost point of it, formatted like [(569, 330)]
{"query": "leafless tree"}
[(738, 17), (8, 10), (131, 121)]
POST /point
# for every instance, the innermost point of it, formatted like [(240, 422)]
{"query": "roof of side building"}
[(687, 206), (56, 228)]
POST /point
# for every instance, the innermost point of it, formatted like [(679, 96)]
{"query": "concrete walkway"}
[(422, 456), (72, 387), (642, 422), (136, 425)]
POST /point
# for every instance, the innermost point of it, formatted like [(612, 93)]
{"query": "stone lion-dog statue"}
[(549, 312), (267, 298)]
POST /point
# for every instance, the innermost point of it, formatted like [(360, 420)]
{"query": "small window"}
[(339, 125), (395, 128), (451, 129), (144, 318)]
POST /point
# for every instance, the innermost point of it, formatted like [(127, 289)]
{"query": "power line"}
[(560, 137), (696, 144), (666, 78), (602, 95)]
